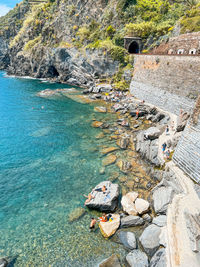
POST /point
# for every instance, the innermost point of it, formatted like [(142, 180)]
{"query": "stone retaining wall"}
[(187, 153), (170, 82)]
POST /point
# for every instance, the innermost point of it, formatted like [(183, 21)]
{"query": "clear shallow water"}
[(49, 157)]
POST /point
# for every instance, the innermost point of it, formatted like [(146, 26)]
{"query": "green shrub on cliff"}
[(191, 20), (30, 44), (110, 31), (121, 85), (142, 29), (83, 33)]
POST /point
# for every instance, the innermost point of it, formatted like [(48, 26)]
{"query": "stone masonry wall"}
[(187, 153), (188, 43), (168, 81)]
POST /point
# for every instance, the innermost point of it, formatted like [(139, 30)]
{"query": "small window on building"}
[(180, 52), (170, 52), (192, 51)]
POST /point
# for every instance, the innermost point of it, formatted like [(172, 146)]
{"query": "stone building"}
[(184, 44)]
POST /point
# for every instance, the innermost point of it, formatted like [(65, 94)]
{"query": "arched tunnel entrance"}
[(134, 48)]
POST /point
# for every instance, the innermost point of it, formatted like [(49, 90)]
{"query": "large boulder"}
[(110, 227), (147, 148), (162, 196), (152, 133), (150, 239), (159, 259), (127, 203), (112, 261), (137, 258), (104, 201), (131, 220), (127, 239), (141, 205)]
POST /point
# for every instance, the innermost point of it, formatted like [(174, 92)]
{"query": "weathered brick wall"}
[(170, 82)]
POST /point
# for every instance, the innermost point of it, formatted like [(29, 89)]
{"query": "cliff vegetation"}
[(91, 28)]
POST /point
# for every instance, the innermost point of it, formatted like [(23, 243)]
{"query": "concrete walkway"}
[(183, 224)]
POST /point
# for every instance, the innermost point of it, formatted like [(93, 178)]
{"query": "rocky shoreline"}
[(138, 132), (141, 127)]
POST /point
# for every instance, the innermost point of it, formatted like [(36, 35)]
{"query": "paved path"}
[(179, 246)]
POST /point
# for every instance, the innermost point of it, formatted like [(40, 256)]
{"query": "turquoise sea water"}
[(49, 157)]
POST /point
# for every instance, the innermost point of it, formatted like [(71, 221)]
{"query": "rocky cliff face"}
[(43, 46)]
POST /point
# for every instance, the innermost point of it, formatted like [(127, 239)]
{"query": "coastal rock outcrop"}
[(164, 191), (137, 258), (147, 145), (110, 227), (104, 201)]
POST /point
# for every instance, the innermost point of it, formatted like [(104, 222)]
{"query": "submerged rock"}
[(109, 159), (123, 142), (110, 227), (150, 239), (76, 214), (100, 109), (127, 239), (124, 166), (112, 261), (107, 150), (104, 201), (97, 124), (137, 258)]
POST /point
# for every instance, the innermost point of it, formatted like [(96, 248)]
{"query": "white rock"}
[(141, 205), (127, 203), (109, 228)]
